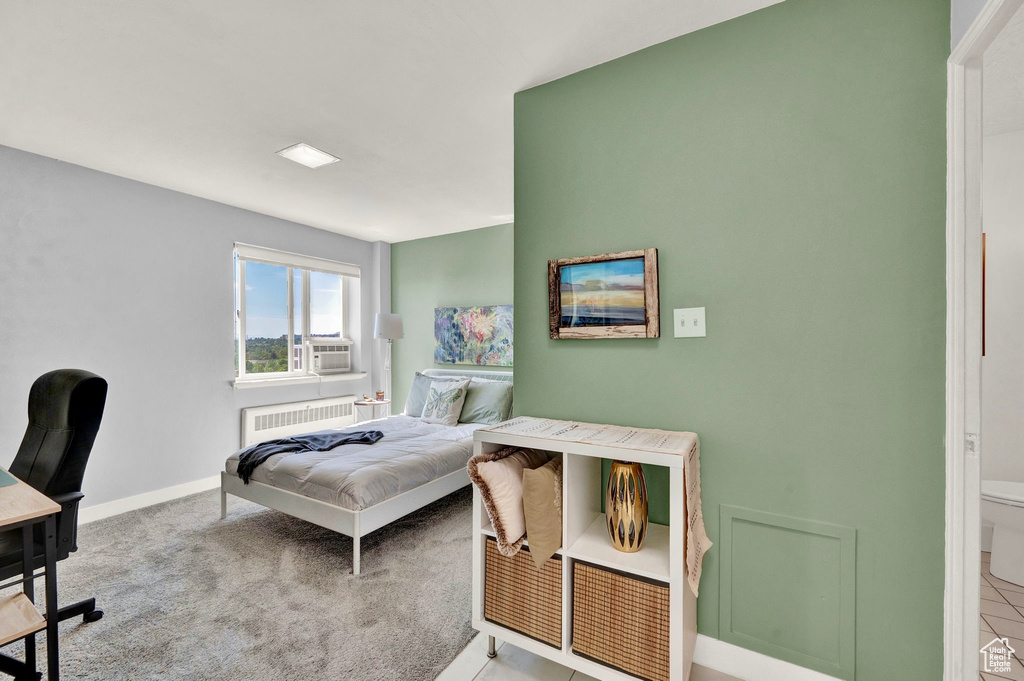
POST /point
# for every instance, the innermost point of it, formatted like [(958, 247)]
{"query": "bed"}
[(354, 489)]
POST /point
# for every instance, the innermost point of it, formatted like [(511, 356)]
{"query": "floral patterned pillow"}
[(444, 402)]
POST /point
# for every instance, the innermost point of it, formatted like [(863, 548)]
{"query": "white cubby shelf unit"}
[(585, 538)]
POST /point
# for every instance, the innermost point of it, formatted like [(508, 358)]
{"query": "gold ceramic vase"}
[(626, 506)]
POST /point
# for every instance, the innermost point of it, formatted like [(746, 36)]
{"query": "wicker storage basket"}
[(620, 621), (520, 597)]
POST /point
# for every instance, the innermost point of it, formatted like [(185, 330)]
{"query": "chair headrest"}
[(67, 398), (64, 412)]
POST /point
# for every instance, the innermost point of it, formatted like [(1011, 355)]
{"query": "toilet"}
[(1002, 506)]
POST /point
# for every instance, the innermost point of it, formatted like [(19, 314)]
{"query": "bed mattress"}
[(355, 477)]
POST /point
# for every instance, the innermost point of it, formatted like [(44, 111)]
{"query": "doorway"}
[(964, 311)]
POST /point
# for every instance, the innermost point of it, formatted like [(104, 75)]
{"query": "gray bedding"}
[(355, 477)]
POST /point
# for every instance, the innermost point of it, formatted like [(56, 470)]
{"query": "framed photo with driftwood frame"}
[(614, 295)]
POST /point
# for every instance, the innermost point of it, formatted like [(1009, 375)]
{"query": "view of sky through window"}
[(266, 315), (324, 305), (266, 302)]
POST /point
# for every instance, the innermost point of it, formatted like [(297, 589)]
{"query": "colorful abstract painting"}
[(473, 335)]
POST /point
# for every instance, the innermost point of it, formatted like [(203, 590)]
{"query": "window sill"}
[(244, 383)]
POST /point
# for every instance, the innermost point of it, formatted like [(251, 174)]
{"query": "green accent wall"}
[(462, 269), (789, 165), (816, 603)]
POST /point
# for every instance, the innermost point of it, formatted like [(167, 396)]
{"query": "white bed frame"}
[(282, 420)]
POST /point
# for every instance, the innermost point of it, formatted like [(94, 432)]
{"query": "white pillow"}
[(444, 402), (499, 477)]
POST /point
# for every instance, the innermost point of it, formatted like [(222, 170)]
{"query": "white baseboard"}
[(100, 511), (748, 665)]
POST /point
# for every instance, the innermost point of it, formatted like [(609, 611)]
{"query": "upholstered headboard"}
[(505, 376), (469, 373)]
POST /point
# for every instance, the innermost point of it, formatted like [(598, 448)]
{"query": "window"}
[(282, 302)]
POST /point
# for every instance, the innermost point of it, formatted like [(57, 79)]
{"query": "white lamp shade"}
[(388, 326)]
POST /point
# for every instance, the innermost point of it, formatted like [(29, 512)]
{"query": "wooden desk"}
[(20, 502), (23, 507)]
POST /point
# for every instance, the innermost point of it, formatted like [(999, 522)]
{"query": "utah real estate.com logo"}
[(997, 656)]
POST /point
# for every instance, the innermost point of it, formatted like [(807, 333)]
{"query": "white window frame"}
[(295, 263)]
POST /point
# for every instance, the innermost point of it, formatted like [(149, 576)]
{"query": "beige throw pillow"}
[(499, 477), (542, 504)]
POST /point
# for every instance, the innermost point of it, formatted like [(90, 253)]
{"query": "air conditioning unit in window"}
[(329, 355)]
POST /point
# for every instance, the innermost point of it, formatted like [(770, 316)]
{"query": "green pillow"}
[(487, 402), (418, 394)]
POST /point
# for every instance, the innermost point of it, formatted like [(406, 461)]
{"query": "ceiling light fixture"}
[(311, 157)]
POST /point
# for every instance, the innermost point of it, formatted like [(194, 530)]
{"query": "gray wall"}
[(962, 15), (135, 283)]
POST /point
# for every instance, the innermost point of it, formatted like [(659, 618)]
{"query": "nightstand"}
[(373, 404)]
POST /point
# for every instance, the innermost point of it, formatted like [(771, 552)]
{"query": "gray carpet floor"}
[(263, 596)]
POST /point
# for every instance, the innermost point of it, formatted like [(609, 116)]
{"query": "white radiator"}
[(281, 420)]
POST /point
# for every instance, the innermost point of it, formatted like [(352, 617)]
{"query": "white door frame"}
[(963, 341)]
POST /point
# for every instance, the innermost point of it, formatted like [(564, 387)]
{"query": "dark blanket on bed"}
[(252, 457)]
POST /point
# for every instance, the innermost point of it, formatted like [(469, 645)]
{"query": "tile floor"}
[(516, 664), (1002, 614)]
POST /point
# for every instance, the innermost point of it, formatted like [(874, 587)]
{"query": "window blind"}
[(269, 256)]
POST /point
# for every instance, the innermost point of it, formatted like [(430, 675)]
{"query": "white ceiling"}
[(415, 96), (1004, 79)]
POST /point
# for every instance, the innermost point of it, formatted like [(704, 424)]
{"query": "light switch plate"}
[(689, 322)]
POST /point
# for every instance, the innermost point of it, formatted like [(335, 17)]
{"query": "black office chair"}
[(64, 412)]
